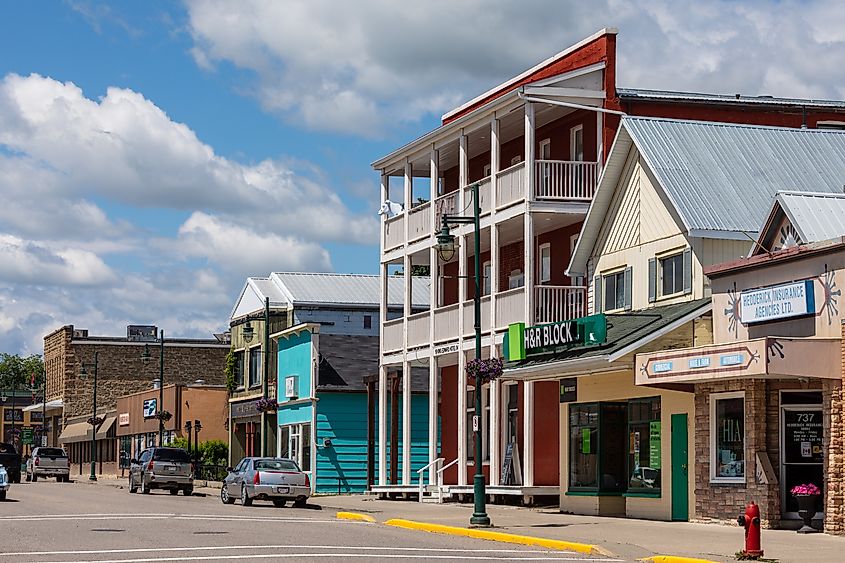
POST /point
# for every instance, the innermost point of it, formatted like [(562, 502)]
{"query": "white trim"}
[(540, 249), (530, 71), (547, 142), (713, 397), (750, 236), (572, 132), (534, 90), (568, 75), (516, 160)]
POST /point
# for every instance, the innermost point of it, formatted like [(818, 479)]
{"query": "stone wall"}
[(834, 517), (56, 361)]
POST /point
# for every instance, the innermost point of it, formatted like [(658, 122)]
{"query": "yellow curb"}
[(675, 559), (500, 537), (354, 516)]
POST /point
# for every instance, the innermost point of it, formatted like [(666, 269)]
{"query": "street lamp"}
[(146, 357), (446, 250), (83, 372), (188, 434), (248, 332), (197, 428)]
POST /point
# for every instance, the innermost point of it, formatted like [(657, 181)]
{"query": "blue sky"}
[(145, 145)]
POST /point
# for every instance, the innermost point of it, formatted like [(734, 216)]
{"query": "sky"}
[(155, 154)]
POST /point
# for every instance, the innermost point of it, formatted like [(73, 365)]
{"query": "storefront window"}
[(727, 431), (644, 438), (583, 445)]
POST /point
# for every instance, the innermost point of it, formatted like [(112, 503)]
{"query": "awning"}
[(772, 357), (51, 405), (105, 427), (76, 432)]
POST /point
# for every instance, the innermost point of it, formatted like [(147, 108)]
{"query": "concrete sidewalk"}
[(627, 538)]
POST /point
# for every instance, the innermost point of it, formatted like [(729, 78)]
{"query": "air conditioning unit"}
[(290, 387)]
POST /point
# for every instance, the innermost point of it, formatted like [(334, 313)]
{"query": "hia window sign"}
[(777, 302)]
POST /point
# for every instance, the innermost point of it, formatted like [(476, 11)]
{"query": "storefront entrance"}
[(802, 447), (680, 468)]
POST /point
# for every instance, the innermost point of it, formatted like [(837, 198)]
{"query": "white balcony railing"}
[(394, 232), (419, 222), (446, 323), (447, 203), (510, 185), (510, 307), (418, 329), (469, 316), (563, 180), (554, 303), (484, 196), (392, 335)]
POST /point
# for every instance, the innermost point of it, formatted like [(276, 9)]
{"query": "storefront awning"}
[(76, 432), (105, 427), (626, 333), (55, 404), (761, 357)]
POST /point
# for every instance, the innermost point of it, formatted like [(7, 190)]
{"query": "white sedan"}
[(4, 483)]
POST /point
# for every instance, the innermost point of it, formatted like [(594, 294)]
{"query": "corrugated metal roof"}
[(640, 93), (722, 177), (348, 289), (815, 216)]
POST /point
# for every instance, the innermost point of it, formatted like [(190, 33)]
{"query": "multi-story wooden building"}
[(536, 145)]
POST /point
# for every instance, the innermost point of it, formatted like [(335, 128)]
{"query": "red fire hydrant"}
[(751, 522)]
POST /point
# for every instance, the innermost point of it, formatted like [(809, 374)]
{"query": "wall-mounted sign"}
[(141, 333), (522, 342), (123, 419), (569, 390), (777, 302), (803, 435), (448, 349), (150, 407), (290, 387)]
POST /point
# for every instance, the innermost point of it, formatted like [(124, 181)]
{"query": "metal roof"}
[(348, 289), (670, 95), (815, 216), (719, 177)]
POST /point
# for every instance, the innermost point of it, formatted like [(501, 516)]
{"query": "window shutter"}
[(652, 280), (597, 294), (628, 293), (688, 270)]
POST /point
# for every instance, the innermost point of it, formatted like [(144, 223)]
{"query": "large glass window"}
[(239, 369), (597, 447), (614, 291), (672, 274), (254, 367), (727, 435), (644, 439), (583, 445)]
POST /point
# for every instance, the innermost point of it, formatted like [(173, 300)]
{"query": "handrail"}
[(440, 479), (420, 472)]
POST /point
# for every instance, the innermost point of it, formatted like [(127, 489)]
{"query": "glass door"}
[(802, 454)]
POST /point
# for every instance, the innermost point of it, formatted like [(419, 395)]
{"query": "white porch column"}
[(463, 170), (406, 422), (434, 281), (529, 151), (494, 231), (528, 258), (432, 417), (600, 138), (528, 434), (462, 417), (382, 425)]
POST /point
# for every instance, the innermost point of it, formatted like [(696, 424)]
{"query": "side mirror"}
[(229, 469), (133, 460)]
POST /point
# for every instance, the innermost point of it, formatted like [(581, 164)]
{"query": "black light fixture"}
[(446, 245), (248, 332)]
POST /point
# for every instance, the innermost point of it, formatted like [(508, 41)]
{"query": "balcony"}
[(554, 180), (553, 303)]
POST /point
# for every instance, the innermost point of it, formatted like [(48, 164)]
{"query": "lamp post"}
[(146, 357), (446, 250), (188, 434), (83, 372), (197, 428)]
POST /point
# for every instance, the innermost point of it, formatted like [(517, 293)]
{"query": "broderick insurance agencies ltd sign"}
[(777, 302)]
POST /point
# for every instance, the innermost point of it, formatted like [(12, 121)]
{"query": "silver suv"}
[(162, 468)]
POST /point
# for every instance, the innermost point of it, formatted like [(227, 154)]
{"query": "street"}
[(55, 522)]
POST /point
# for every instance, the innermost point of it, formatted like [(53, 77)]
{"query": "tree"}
[(17, 372)]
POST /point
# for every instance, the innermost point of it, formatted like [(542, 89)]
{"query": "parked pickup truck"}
[(48, 462), (11, 460)]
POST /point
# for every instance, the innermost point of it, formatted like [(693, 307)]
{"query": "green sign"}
[(654, 445), (27, 436), (523, 342), (585, 440)]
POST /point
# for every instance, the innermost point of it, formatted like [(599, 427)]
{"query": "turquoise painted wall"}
[(294, 358), (342, 417)]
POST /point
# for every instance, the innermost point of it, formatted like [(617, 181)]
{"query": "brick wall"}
[(834, 517)]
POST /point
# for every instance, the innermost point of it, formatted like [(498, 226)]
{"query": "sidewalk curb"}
[(354, 516), (476, 533), (674, 559)]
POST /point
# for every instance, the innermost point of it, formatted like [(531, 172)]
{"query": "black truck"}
[(11, 460)]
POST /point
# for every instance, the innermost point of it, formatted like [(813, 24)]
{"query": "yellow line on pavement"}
[(500, 537), (674, 559), (355, 516)]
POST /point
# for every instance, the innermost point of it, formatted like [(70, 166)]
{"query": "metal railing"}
[(565, 179), (437, 461), (556, 303), (440, 479), (208, 472), (510, 185)]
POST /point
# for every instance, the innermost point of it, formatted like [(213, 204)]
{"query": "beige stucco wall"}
[(620, 386)]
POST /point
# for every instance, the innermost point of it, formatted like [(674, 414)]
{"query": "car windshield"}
[(51, 452), (276, 465), (171, 454)]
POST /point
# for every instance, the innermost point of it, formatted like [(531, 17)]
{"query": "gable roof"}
[(719, 177), (631, 94), (814, 217)]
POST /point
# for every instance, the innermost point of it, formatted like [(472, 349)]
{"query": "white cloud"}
[(32, 263), (362, 67)]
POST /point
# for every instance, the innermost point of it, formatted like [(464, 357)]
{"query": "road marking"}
[(312, 555), (223, 517)]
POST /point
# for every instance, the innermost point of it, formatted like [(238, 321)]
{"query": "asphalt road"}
[(56, 522)]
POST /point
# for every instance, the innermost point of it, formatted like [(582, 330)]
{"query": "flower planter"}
[(807, 510)]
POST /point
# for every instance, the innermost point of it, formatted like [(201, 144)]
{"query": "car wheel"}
[(279, 503), (245, 500), (58, 478), (188, 491), (300, 503), (174, 492), (145, 489), (34, 477), (225, 497), (28, 477), (133, 488), (2, 495)]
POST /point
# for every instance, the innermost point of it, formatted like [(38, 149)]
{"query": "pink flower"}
[(805, 489)]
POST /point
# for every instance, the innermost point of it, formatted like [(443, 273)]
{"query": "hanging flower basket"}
[(95, 421), (164, 416), (266, 405), (485, 370)]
